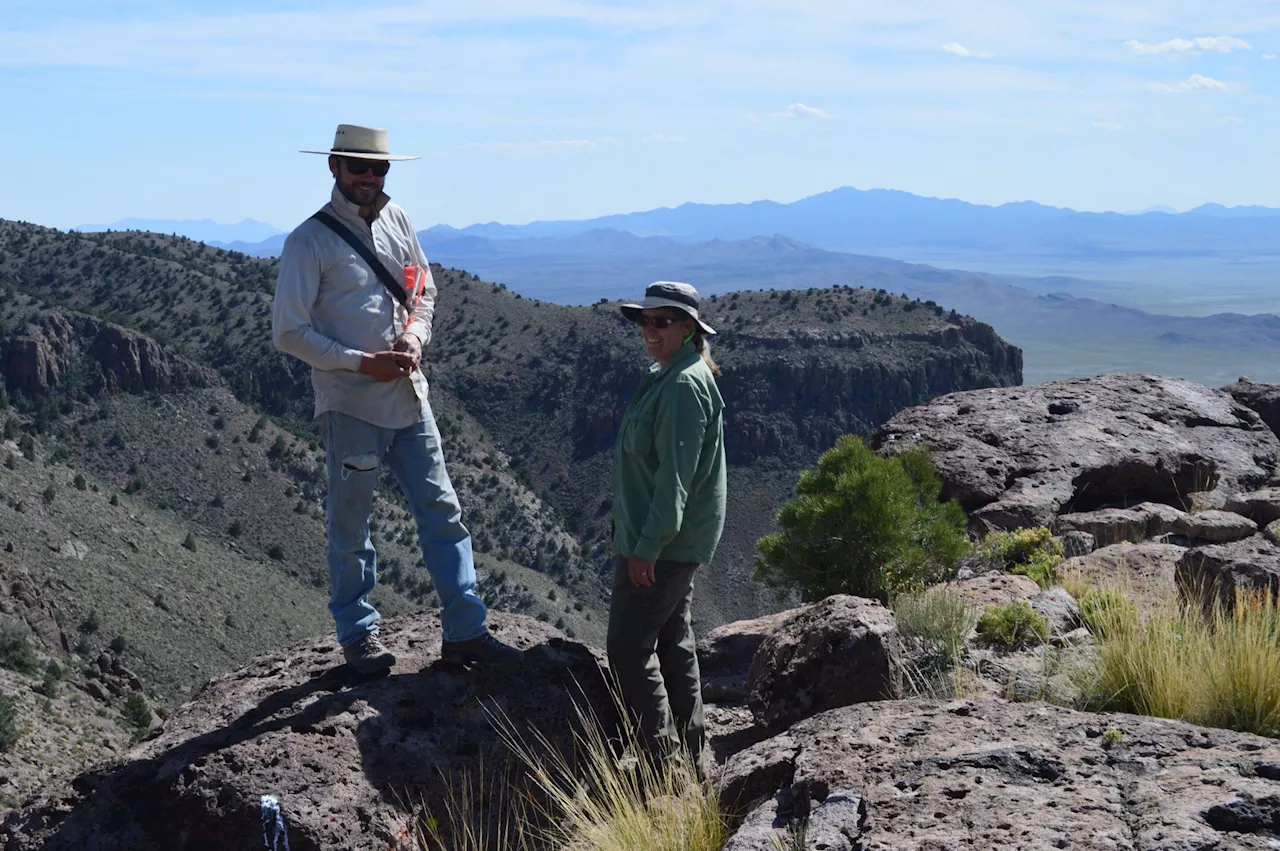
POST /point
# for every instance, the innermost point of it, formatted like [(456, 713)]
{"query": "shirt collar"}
[(351, 212), (684, 356)]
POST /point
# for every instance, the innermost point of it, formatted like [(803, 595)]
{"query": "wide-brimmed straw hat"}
[(668, 294), (362, 143)]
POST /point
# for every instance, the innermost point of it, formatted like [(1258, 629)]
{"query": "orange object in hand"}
[(414, 284)]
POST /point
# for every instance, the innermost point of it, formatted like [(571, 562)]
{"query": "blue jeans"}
[(356, 449)]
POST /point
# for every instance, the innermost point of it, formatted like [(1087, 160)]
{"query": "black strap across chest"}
[(384, 275)]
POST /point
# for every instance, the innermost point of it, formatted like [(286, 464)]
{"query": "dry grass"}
[(1218, 667), (603, 797), (938, 618)]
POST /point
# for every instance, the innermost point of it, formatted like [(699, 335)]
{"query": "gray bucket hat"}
[(671, 294)]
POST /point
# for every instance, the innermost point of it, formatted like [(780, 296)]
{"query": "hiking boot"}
[(368, 656), (482, 650)]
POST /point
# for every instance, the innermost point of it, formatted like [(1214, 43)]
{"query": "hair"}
[(703, 348)]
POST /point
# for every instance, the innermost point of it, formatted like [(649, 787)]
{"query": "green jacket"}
[(668, 465)]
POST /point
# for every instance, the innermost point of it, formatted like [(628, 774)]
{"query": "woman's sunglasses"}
[(378, 167), (661, 323)]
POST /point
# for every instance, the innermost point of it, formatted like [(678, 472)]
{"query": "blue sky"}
[(536, 109)]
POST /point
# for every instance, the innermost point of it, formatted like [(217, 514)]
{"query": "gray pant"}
[(654, 655)]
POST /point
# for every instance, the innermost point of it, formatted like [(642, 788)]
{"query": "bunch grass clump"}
[(1217, 665), (938, 618), (608, 795)]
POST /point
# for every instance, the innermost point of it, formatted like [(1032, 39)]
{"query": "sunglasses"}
[(661, 323), (378, 167)]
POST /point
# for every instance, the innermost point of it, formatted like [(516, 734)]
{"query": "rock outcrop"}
[(927, 776), (60, 348), (839, 651), (1020, 456), (1261, 396), (347, 758)]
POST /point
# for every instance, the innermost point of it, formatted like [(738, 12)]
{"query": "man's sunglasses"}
[(659, 322), (378, 167)]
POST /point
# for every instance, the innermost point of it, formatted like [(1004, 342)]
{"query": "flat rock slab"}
[(994, 589), (1262, 506), (930, 776), (1251, 564), (1146, 572), (345, 756), (1018, 456)]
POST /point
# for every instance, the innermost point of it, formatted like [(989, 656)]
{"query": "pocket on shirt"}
[(637, 439)]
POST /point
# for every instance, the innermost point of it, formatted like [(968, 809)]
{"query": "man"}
[(364, 345)]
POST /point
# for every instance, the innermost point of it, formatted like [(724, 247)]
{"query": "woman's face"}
[(663, 343)]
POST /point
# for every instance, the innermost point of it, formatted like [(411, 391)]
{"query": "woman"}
[(668, 513)]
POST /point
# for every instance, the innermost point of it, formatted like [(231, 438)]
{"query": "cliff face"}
[(58, 348), (796, 394)]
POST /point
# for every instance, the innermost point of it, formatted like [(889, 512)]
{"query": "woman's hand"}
[(641, 571)]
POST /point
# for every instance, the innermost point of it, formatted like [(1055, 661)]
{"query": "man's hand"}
[(387, 366), (410, 345), (641, 571)]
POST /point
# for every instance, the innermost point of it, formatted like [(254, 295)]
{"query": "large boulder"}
[(725, 654), (348, 758), (1260, 396), (994, 589), (1219, 570), (926, 776), (839, 651), (1019, 456)]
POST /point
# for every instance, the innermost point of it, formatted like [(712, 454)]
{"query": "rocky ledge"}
[(350, 760), (1020, 456), (928, 776)]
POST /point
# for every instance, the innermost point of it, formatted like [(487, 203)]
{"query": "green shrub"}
[(189, 542), (1013, 625), (137, 713), (1030, 552), (80, 482), (936, 617), (16, 652), (50, 494), (91, 623), (119, 644), (9, 733), (863, 524), (53, 675)]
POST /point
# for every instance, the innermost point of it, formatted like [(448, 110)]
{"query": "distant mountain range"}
[(202, 230), (1061, 334)]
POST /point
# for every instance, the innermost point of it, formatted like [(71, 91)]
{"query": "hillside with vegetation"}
[(164, 484)]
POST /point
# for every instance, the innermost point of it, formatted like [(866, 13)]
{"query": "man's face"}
[(360, 189)]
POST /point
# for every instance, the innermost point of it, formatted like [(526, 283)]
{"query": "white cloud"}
[(958, 49), (663, 138), (799, 110), (1194, 83), (1203, 44), (1268, 56), (1108, 125), (540, 148), (1232, 119)]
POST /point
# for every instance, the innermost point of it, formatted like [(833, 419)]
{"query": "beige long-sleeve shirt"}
[(330, 309)]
